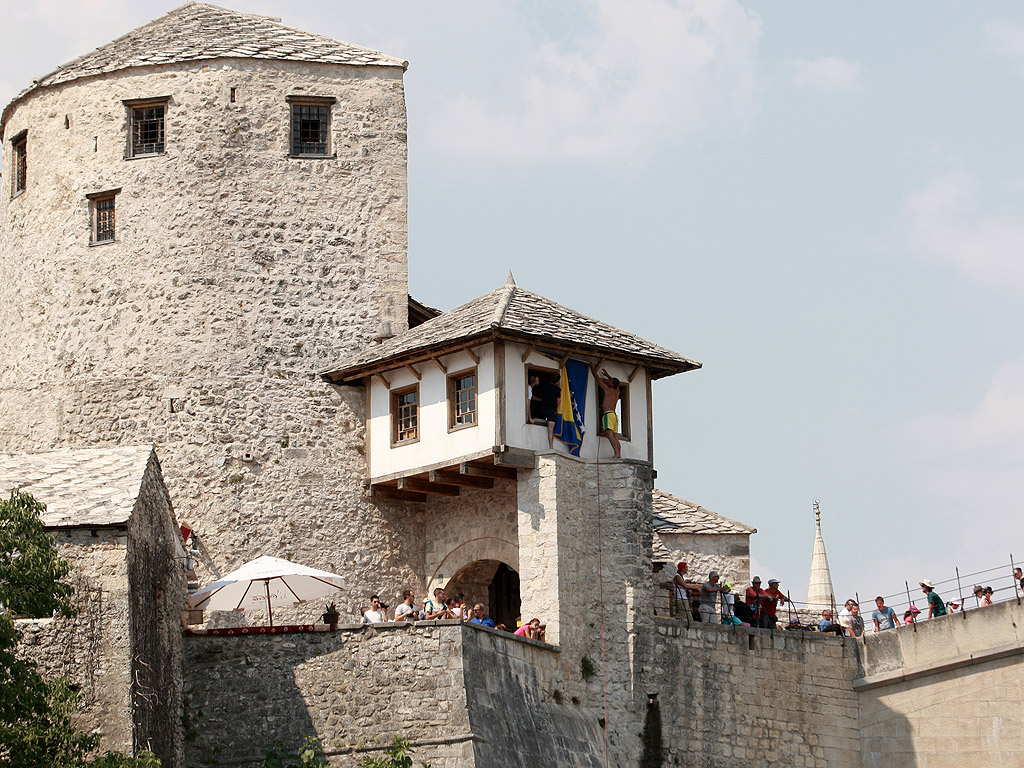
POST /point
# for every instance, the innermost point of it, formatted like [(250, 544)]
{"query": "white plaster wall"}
[(436, 445), (534, 437)]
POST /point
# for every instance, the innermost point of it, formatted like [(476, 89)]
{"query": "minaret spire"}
[(820, 594)]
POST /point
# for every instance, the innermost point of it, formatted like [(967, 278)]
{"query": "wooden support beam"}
[(474, 355), (414, 372), (634, 372), (393, 494), (425, 486), (382, 378), (527, 353), (439, 364), (488, 470), (455, 478)]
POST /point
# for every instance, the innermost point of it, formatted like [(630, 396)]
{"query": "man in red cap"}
[(681, 589)]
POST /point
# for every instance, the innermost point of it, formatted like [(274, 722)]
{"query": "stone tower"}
[(198, 217), (820, 594)]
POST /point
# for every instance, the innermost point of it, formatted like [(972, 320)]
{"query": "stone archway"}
[(493, 583)]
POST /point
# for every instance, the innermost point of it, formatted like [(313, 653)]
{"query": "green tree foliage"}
[(395, 756), (309, 755), (35, 713)]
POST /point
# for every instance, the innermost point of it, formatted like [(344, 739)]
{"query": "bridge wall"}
[(949, 694)]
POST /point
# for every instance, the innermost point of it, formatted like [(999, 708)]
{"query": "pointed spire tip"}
[(510, 280)]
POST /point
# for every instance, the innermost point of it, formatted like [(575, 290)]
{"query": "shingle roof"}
[(197, 31), (511, 311), (80, 486), (675, 515)]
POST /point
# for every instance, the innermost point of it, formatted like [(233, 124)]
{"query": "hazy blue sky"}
[(820, 201)]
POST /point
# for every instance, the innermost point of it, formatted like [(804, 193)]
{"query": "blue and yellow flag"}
[(569, 426)]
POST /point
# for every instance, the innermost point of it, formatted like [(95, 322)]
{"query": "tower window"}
[(462, 389), (103, 214), (405, 415), (19, 145), (147, 127), (311, 126)]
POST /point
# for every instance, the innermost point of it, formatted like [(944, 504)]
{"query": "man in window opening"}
[(609, 390), (533, 399), (550, 395)]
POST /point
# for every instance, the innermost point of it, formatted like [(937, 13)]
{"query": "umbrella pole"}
[(270, 610)]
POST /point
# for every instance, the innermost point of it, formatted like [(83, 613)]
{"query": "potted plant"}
[(331, 615)]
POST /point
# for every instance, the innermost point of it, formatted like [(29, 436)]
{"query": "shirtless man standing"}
[(609, 389)]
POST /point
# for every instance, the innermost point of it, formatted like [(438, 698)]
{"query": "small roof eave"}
[(353, 374)]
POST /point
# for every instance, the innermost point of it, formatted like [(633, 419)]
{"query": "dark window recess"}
[(20, 147), (310, 129), (148, 130), (105, 219)]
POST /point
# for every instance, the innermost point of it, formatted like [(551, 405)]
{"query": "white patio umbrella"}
[(265, 583)]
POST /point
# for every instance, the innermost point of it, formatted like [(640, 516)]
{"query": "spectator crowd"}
[(442, 607), (715, 602)]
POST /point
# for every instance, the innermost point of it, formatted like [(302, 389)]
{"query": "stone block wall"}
[(237, 274), (729, 554), (157, 588), (93, 648), (731, 696), (585, 552), (949, 694)]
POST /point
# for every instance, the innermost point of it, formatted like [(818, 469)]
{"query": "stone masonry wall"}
[(157, 582), (731, 696), (949, 695), (355, 688), (465, 696), (585, 553), (728, 554), (238, 273), (93, 649)]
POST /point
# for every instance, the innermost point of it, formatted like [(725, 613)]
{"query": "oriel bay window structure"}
[(447, 405)]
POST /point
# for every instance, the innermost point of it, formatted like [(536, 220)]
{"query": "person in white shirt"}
[(376, 613), (406, 610)]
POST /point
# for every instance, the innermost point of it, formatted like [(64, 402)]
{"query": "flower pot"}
[(331, 618)]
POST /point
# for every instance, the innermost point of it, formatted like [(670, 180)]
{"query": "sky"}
[(822, 202)]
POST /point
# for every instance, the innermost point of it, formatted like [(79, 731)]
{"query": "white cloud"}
[(944, 223), (642, 70), (1006, 39), (972, 461), (826, 73)]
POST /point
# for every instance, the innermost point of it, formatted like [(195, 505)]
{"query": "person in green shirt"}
[(935, 605)]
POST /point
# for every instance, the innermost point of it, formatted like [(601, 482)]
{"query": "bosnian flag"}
[(569, 426)]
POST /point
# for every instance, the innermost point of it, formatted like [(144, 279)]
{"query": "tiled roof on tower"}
[(513, 312), (198, 32)]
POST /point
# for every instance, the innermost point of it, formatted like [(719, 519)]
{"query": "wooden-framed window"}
[(103, 216), (539, 405), (146, 132), (462, 399), (19, 158), (405, 415), (621, 411), (310, 126)]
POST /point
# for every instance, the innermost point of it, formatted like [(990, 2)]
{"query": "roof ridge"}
[(502, 308)]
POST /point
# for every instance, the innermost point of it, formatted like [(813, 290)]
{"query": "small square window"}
[(405, 415), (462, 390), (19, 147), (103, 214), (146, 126), (310, 127)]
